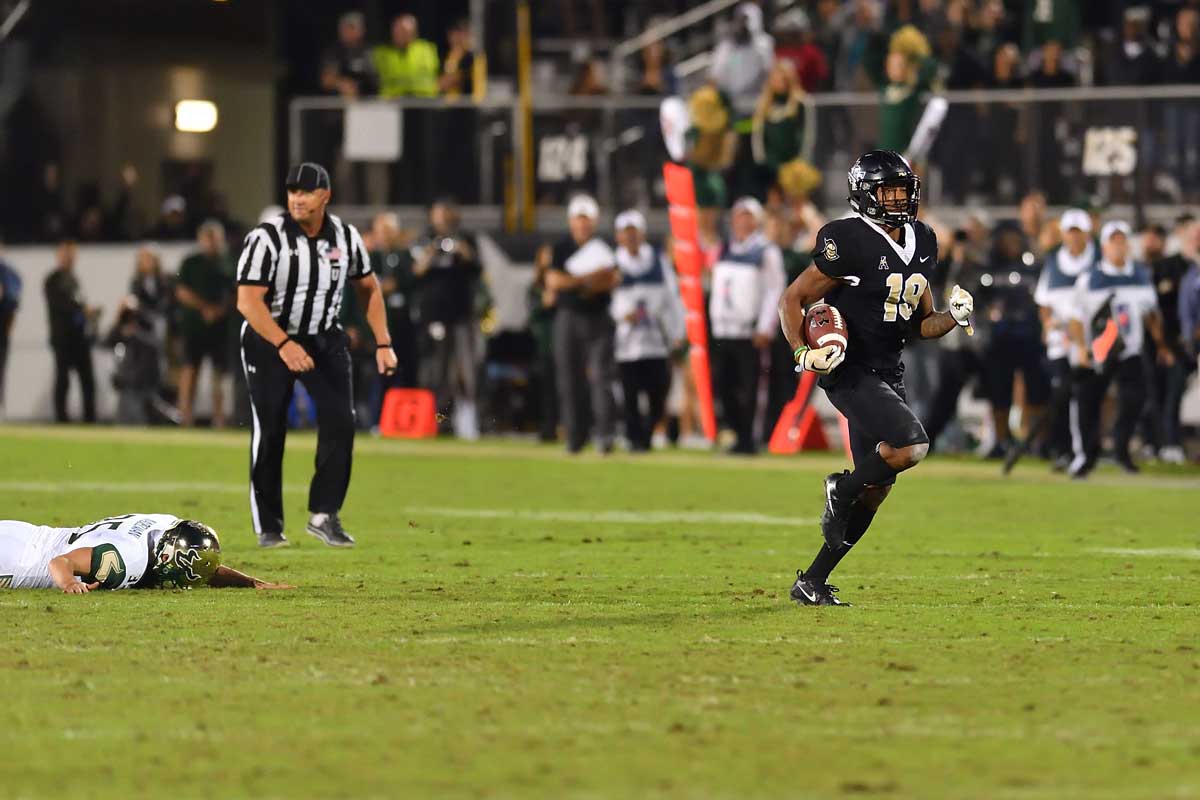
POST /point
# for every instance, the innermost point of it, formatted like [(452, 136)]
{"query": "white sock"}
[(319, 519)]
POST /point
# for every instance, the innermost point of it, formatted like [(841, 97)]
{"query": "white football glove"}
[(962, 305), (821, 360)]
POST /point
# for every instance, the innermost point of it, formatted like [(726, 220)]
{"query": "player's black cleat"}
[(829, 598), (834, 518), (811, 593), (328, 528), (806, 592), (271, 539)]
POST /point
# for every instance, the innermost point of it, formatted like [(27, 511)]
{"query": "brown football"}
[(823, 326)]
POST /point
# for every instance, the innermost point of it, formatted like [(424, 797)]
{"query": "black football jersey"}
[(880, 283)]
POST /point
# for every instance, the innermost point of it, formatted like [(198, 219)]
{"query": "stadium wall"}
[(104, 272)]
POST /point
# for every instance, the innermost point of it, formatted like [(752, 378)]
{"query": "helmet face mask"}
[(871, 175), (187, 555)]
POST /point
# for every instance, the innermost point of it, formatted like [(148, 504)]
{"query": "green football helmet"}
[(187, 555)]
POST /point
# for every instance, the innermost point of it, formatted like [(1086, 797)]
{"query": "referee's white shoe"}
[(328, 528)]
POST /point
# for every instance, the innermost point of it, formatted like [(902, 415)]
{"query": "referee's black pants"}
[(270, 383)]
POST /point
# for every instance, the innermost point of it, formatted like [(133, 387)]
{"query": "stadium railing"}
[(1137, 148)]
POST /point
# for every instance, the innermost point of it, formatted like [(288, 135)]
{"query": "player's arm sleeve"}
[(774, 282), (107, 567), (256, 267), (360, 260), (832, 252)]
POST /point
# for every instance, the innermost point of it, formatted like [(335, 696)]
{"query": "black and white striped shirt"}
[(306, 277)]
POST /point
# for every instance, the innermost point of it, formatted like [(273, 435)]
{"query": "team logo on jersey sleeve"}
[(831, 253), (883, 264)]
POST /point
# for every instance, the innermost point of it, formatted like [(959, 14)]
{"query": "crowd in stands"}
[(403, 66), (601, 325)]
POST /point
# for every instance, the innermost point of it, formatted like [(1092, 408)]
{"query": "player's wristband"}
[(387, 346), (798, 353), (286, 339)]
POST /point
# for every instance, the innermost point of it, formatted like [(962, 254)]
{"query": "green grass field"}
[(515, 623)]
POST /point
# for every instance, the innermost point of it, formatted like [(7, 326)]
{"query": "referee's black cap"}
[(307, 177)]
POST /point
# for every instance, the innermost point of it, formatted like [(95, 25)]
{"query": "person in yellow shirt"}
[(409, 66)]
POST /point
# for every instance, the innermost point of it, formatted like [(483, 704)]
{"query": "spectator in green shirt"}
[(205, 293), (409, 66), (780, 123), (910, 72)]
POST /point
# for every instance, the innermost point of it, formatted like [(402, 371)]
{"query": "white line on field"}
[(549, 515), (624, 517), (128, 486), (1150, 552)]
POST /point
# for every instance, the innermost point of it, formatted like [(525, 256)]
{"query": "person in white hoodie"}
[(1057, 301), (1115, 307), (650, 324), (747, 281)]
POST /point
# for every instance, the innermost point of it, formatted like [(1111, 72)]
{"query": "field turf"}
[(517, 623)]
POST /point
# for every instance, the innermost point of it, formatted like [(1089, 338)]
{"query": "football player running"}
[(874, 267), (132, 551)]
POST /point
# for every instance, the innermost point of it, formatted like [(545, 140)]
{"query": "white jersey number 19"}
[(903, 296)]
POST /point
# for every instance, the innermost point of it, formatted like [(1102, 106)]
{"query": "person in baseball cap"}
[(750, 206), (583, 205), (1114, 227), (1075, 219), (1058, 303), (308, 194), (307, 177), (630, 219), (1117, 308)]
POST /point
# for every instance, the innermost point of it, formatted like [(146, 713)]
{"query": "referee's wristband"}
[(799, 352), (286, 339)]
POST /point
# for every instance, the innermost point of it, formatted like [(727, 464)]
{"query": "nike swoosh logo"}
[(805, 592), (923, 260), (853, 280)]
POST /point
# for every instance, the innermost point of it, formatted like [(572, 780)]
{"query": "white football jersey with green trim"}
[(122, 548)]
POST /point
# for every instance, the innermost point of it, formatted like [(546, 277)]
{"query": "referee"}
[(291, 278)]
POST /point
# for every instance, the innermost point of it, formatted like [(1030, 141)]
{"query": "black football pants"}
[(270, 383)]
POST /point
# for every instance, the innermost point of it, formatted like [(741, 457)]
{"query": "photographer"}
[(1014, 343), (136, 352), (959, 361), (447, 268)]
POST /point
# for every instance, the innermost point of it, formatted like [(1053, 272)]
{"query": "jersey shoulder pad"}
[(926, 236), (108, 567), (835, 248)]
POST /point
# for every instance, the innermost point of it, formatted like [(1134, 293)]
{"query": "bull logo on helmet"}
[(186, 560)]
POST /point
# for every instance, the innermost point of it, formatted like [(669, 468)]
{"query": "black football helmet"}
[(187, 555), (877, 169)]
